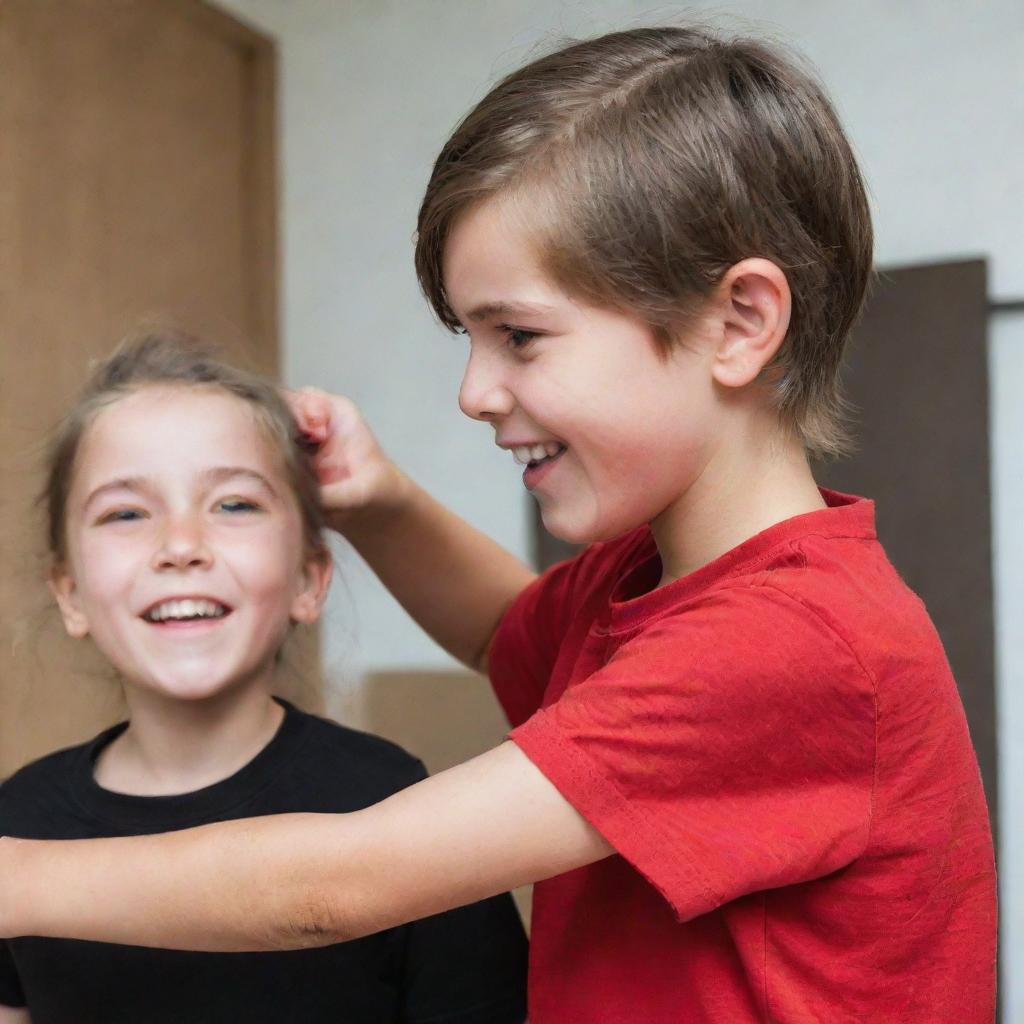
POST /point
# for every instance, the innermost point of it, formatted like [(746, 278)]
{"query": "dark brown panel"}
[(918, 377)]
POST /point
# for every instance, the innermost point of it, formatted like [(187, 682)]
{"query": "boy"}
[(739, 758)]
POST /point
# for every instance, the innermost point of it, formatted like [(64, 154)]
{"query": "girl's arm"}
[(452, 579), (298, 880), (14, 1015)]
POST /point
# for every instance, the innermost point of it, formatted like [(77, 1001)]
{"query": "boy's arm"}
[(14, 1015), (452, 579), (299, 880)]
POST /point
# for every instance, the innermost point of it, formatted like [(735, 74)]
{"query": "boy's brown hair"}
[(650, 161)]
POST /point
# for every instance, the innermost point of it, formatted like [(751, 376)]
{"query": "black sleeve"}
[(10, 985), (466, 966)]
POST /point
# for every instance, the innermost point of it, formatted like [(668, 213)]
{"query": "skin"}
[(730, 469)]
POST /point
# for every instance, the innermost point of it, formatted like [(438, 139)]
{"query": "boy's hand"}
[(354, 472)]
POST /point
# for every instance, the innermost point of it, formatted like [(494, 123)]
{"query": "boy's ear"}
[(62, 586), (754, 305), (317, 570)]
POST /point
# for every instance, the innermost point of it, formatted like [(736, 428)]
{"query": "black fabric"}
[(467, 966)]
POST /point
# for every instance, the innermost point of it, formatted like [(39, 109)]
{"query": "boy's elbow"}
[(315, 919)]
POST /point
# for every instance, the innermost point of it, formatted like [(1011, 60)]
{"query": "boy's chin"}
[(574, 530)]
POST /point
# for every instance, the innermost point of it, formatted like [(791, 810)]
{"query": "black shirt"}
[(466, 966)]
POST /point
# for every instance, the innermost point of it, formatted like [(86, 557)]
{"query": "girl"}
[(185, 530)]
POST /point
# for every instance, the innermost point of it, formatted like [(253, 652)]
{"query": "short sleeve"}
[(11, 993), (466, 966), (725, 749)]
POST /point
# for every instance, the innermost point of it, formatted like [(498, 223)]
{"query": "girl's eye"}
[(122, 515), (238, 505)]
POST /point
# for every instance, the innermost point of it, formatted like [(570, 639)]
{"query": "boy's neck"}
[(178, 746), (742, 490)]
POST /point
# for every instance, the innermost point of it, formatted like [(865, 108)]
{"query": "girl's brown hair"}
[(649, 162), (169, 358)]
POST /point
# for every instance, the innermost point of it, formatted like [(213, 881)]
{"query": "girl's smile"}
[(186, 555)]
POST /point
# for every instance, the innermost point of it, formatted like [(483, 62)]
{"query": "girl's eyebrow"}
[(125, 483), (215, 475), (221, 473)]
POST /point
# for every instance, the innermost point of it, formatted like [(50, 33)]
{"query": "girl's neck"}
[(178, 746), (744, 489)]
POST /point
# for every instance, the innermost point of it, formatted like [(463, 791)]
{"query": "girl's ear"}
[(754, 304), (317, 569), (62, 586)]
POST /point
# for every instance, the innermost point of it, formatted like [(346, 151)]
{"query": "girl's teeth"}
[(537, 452), (552, 448), (187, 609), (522, 454)]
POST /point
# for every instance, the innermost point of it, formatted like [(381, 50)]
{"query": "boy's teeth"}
[(186, 608), (526, 453)]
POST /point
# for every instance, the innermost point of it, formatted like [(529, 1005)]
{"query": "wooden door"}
[(137, 180)]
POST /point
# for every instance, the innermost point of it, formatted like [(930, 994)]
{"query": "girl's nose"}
[(183, 545), (483, 394)]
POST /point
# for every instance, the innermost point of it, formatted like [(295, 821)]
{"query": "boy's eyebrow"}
[(214, 476), (490, 310)]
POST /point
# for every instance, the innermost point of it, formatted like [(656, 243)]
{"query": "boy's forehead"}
[(492, 267)]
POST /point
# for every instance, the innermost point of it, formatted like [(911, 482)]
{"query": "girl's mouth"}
[(180, 612)]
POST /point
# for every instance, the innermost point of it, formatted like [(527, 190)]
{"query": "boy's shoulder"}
[(827, 567)]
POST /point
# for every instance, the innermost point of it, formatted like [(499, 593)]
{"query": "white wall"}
[(932, 93)]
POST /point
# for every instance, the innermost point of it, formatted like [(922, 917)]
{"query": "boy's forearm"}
[(236, 886), (296, 880), (452, 579)]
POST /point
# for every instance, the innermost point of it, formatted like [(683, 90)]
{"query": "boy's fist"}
[(354, 472)]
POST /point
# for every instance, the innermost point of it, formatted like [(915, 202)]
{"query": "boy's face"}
[(618, 433), (185, 546)]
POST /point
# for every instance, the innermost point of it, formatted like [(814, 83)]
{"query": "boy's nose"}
[(182, 546), (483, 395)]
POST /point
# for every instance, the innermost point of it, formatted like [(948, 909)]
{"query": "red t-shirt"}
[(776, 749)]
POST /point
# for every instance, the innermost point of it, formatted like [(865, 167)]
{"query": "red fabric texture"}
[(776, 749)]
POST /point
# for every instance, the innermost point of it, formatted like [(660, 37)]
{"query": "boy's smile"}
[(185, 543), (611, 430)]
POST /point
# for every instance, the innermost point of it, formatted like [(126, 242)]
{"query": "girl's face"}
[(185, 547), (614, 432)]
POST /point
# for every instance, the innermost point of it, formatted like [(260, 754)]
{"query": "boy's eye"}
[(518, 336)]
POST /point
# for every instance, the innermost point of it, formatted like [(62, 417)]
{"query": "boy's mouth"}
[(535, 454)]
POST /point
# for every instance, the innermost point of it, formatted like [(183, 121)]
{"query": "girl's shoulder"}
[(39, 793), (339, 750)]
